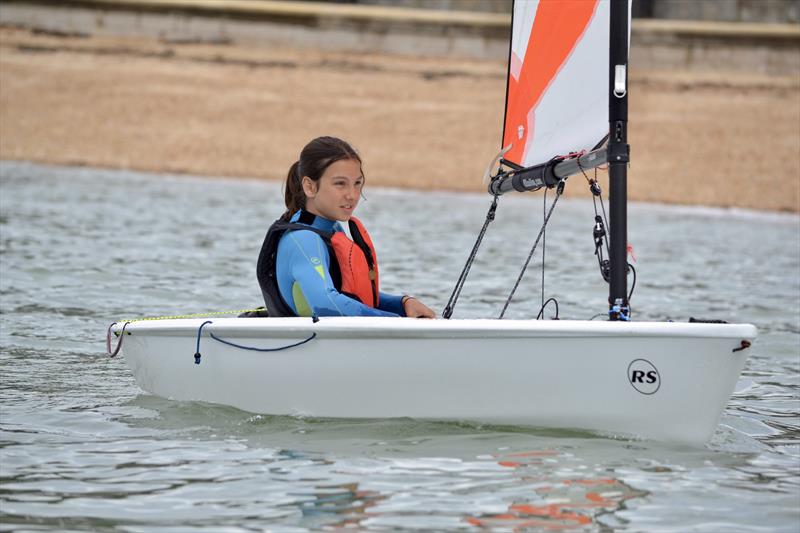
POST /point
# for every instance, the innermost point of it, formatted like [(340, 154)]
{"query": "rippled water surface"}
[(83, 448)]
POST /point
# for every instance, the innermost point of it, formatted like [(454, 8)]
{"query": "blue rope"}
[(121, 337), (624, 312), (197, 354), (199, 332), (229, 343)]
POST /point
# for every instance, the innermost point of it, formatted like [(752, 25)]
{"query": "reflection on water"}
[(339, 506), (556, 504), (82, 448)]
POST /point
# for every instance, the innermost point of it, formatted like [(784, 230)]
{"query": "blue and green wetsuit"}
[(303, 273)]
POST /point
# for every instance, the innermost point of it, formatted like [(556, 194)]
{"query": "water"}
[(83, 448)]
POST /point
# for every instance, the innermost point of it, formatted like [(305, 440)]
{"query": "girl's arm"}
[(391, 303)]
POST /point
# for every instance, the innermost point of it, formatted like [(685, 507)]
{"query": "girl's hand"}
[(416, 309)]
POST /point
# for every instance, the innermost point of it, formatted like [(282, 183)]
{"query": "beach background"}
[(203, 90)]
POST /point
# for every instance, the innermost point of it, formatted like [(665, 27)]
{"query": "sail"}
[(557, 96)]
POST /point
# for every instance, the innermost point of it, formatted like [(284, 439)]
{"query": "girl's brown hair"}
[(315, 157)]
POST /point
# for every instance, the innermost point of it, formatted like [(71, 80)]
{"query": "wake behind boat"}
[(566, 113)]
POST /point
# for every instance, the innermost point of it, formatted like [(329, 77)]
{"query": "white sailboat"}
[(567, 92)]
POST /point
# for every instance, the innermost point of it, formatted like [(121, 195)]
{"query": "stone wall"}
[(774, 11), (687, 45)]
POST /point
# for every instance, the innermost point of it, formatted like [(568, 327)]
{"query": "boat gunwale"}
[(387, 327)]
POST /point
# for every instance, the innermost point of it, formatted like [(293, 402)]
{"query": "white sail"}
[(557, 99)]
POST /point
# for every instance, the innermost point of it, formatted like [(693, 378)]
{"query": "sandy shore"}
[(231, 110)]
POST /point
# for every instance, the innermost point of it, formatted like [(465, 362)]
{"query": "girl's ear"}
[(310, 187)]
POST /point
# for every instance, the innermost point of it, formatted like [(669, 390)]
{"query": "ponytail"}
[(294, 197)]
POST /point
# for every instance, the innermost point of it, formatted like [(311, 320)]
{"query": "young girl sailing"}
[(307, 265)]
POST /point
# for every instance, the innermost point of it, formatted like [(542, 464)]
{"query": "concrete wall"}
[(775, 11), (755, 48), (490, 6), (778, 11)]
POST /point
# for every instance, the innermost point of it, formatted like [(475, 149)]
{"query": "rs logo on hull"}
[(644, 376)]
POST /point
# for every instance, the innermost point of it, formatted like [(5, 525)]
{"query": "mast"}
[(618, 157)]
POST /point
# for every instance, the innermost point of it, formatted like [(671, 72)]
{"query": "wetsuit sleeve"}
[(312, 287), (392, 304)]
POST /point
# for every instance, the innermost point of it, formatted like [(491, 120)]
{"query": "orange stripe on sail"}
[(557, 27)]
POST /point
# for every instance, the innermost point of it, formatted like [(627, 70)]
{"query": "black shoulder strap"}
[(359, 240), (267, 260)]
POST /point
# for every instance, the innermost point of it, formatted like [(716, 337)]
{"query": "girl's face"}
[(336, 194)]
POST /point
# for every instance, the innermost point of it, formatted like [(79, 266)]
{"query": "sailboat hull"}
[(665, 381)]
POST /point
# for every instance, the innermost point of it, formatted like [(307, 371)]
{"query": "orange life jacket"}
[(358, 263)]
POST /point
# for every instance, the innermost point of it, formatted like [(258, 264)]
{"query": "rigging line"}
[(198, 356), (630, 295), (592, 184), (541, 311), (254, 349), (559, 191), (633, 285), (608, 229), (451, 303), (598, 247), (121, 338), (580, 167), (605, 220), (544, 241), (602, 205)]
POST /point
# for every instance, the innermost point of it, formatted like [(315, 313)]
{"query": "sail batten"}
[(556, 101)]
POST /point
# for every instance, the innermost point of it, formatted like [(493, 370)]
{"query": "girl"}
[(307, 265)]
